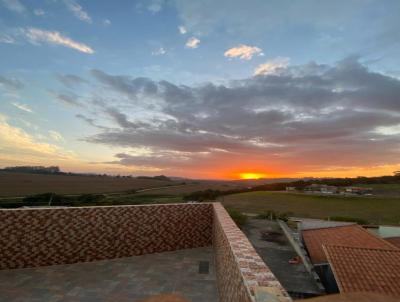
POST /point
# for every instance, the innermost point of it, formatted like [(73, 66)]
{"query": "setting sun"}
[(251, 175)]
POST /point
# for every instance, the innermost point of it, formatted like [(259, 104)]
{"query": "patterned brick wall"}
[(38, 237), (240, 270)]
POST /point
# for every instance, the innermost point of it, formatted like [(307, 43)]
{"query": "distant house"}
[(321, 189), (358, 191), (291, 189)]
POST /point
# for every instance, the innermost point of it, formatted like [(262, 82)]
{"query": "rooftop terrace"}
[(127, 253)]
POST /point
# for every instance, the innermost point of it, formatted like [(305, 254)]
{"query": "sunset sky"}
[(201, 89)]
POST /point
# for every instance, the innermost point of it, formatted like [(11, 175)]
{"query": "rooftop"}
[(130, 253), (394, 240), (123, 279), (358, 269), (351, 235)]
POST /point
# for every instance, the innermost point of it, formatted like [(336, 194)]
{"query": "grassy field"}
[(21, 184), (189, 188), (373, 209)]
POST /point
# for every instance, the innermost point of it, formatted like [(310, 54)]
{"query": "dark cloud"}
[(306, 116), (68, 99), (11, 83), (70, 80)]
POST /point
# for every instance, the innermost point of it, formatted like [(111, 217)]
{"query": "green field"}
[(379, 210)]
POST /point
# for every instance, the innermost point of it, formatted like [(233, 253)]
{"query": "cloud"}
[(56, 136), (106, 22), (272, 66), (182, 30), (37, 36), (6, 39), (70, 80), (39, 12), (16, 141), (155, 6), (159, 52), (78, 11), (67, 99), (15, 6), (10, 83), (192, 42), (289, 121), (22, 107), (244, 52)]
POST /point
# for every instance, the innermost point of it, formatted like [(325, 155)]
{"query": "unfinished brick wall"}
[(38, 237), (240, 270)]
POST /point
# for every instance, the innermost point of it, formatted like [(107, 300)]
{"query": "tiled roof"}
[(358, 269), (394, 240), (308, 224), (351, 297), (352, 235)]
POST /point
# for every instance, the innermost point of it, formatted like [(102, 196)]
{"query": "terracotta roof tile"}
[(352, 235), (394, 240), (358, 269)]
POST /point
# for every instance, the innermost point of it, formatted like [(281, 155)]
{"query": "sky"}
[(212, 89)]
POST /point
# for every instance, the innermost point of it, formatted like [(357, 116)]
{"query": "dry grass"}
[(190, 188), (21, 184)]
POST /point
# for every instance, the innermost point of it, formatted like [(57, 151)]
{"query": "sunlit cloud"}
[(182, 30), (272, 66), (283, 124), (78, 11), (37, 36), (244, 52), (22, 107), (159, 52), (14, 140), (193, 42), (56, 136)]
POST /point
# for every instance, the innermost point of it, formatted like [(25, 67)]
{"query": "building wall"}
[(39, 237), (240, 270)]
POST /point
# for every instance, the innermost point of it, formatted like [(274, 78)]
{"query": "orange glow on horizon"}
[(248, 175)]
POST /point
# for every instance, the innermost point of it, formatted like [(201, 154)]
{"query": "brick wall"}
[(38, 237), (240, 270)]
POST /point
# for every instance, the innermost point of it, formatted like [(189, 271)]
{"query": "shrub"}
[(239, 218), (269, 214), (46, 199), (90, 197)]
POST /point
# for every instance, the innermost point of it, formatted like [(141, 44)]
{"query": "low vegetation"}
[(273, 215), (239, 218), (377, 210), (52, 199)]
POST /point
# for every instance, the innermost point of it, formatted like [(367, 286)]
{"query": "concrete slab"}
[(124, 279), (276, 251)]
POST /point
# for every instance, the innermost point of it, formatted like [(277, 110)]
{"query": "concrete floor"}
[(276, 253), (118, 280)]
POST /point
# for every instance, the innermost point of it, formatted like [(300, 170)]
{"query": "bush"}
[(202, 195), (46, 199), (90, 197), (239, 218), (272, 215), (269, 214), (285, 216), (349, 219)]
